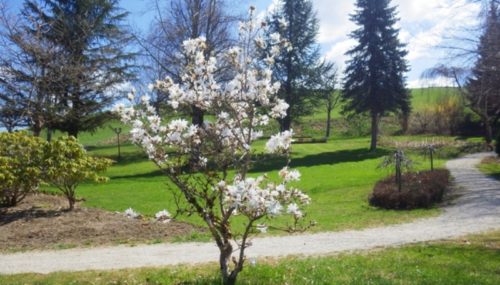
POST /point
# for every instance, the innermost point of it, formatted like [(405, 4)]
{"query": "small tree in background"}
[(217, 185), (20, 166), (430, 150), (400, 162), (325, 86), (67, 164)]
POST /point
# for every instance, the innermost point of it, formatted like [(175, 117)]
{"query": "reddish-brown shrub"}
[(420, 190)]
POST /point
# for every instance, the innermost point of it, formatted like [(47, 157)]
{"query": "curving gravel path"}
[(476, 209)]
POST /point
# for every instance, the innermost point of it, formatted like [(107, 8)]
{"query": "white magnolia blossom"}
[(280, 142), (163, 216), (130, 213), (289, 175), (241, 107), (262, 228)]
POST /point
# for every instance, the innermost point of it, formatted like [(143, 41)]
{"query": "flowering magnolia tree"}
[(209, 163)]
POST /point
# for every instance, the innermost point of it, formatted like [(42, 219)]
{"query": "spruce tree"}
[(374, 77), (483, 87), (296, 21), (91, 39)]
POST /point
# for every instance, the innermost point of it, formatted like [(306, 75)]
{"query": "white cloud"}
[(424, 24)]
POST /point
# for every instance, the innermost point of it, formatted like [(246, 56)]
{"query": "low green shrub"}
[(420, 190), (67, 164), (20, 166)]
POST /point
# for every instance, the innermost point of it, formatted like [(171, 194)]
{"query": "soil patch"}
[(41, 222)]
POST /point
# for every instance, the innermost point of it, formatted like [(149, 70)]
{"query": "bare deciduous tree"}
[(177, 21)]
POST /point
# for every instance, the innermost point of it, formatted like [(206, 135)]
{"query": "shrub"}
[(20, 166), (421, 190), (67, 164), (400, 162)]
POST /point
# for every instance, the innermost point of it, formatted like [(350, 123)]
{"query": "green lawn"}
[(491, 167), (469, 260), (338, 175)]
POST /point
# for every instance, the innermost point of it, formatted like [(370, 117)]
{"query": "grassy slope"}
[(421, 98), (471, 260)]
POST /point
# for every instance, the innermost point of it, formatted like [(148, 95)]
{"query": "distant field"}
[(422, 98)]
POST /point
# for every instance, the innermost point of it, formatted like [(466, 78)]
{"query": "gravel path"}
[(476, 209)]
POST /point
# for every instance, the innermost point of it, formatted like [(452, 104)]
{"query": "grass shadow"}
[(152, 174), (270, 162)]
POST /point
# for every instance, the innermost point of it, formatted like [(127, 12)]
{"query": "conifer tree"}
[(297, 22), (374, 77), (91, 39)]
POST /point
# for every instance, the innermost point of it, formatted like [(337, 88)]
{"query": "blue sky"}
[(425, 25)]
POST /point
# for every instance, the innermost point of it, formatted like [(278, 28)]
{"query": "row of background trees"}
[(64, 63)]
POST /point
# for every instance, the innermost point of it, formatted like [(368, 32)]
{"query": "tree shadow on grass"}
[(269, 162), (151, 174)]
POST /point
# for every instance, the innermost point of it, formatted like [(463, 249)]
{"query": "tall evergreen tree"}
[(483, 87), (297, 22), (375, 81), (91, 40)]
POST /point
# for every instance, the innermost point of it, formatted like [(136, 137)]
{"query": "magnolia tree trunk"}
[(228, 277)]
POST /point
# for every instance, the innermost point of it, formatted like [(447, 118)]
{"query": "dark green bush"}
[(420, 190)]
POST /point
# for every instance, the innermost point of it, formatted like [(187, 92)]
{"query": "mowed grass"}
[(338, 175), (491, 167), (469, 260)]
